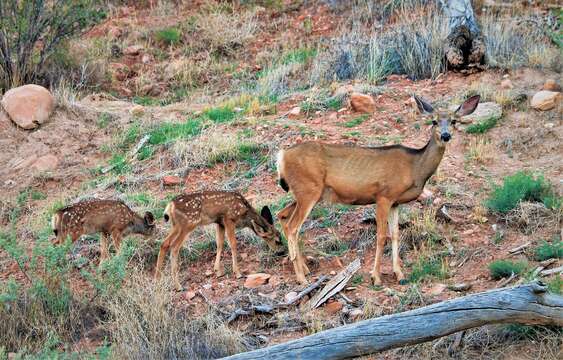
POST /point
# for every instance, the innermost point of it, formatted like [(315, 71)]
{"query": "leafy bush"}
[(549, 251), (556, 284), (428, 267), (33, 30), (355, 121), (168, 36), (522, 186), (504, 268), (482, 126)]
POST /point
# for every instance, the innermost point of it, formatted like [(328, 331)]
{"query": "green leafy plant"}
[(168, 132), (482, 126), (547, 251), (221, 114), (522, 186), (555, 285), (504, 268)]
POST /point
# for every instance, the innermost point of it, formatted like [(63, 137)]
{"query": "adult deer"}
[(228, 210), (108, 217), (354, 175)]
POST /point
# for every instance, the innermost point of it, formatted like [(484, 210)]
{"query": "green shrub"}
[(299, 56), (428, 267), (168, 36), (34, 30), (522, 186), (549, 251), (504, 268), (120, 164), (482, 126)]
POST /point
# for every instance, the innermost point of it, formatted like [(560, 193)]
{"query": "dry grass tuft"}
[(531, 216), (480, 150), (146, 324)]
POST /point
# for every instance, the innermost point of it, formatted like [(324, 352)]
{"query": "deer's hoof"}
[(219, 273), (238, 275), (376, 281)]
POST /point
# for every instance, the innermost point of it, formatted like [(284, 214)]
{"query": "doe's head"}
[(263, 226), (441, 119)]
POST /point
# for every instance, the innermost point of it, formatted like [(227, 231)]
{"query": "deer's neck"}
[(428, 160)]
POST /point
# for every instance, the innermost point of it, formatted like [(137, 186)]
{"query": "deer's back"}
[(206, 207), (92, 216)]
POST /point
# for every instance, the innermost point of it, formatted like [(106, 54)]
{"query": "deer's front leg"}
[(104, 252), (231, 236), (382, 216), (394, 228)]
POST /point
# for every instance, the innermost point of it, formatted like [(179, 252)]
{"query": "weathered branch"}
[(525, 304)]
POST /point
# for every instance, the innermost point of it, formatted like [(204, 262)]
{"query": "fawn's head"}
[(263, 226), (441, 119), (145, 225)]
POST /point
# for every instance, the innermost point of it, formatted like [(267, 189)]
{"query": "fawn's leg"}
[(220, 239), (175, 250), (164, 249)]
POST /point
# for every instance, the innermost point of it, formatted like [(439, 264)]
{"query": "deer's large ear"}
[(267, 214), (149, 218), (468, 106), (423, 106)]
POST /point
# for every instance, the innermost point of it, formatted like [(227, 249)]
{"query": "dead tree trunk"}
[(525, 304), (464, 47)]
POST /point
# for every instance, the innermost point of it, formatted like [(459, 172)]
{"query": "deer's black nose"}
[(446, 137)]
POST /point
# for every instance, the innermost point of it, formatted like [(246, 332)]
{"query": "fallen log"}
[(525, 304), (336, 284)]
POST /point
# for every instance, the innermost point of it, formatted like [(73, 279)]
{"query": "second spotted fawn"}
[(228, 210), (108, 217)]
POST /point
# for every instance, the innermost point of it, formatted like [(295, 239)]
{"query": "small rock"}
[(356, 313), (333, 307), (551, 85), (28, 106), (295, 112), (437, 201), (137, 111), (506, 84), (133, 50), (290, 296), (46, 163), (333, 273), (483, 112), (545, 100), (207, 286), (190, 295), (254, 280), (362, 103), (437, 289)]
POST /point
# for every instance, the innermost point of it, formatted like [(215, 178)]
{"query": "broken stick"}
[(335, 285)]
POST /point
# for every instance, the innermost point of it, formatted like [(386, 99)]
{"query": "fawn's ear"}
[(468, 106), (149, 218), (423, 105), (267, 214), (258, 229)]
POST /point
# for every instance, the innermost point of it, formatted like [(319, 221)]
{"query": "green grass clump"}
[(221, 114), (299, 56), (355, 121), (549, 251), (504, 268), (168, 132), (103, 120), (323, 103), (428, 268), (555, 285), (522, 186), (168, 36), (120, 164), (482, 126)]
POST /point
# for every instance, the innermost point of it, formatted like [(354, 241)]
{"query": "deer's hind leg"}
[(218, 267), (306, 200), (231, 237), (394, 229), (175, 250), (164, 249)]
